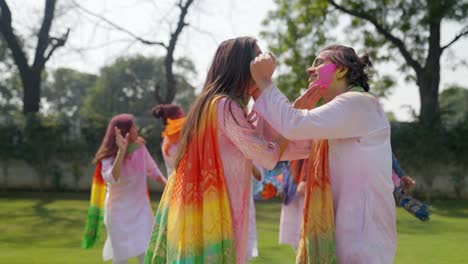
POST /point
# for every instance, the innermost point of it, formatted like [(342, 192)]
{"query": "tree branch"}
[(7, 31), (171, 82), (396, 41), (119, 28), (43, 38), (180, 24), (457, 37), (56, 43), (208, 34)]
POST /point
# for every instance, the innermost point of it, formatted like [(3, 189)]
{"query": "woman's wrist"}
[(120, 153)]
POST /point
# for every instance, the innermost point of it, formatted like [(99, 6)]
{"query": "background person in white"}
[(126, 163), (358, 133)]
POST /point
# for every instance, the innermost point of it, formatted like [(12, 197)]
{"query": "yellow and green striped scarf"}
[(317, 241), (95, 218)]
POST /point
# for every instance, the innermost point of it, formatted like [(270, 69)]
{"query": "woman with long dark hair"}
[(203, 215), (122, 165)]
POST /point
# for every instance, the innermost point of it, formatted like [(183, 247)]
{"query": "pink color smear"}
[(325, 75)]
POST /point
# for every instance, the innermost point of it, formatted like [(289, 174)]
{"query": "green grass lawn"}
[(48, 230)]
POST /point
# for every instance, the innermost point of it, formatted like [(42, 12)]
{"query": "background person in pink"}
[(359, 150), (126, 163)]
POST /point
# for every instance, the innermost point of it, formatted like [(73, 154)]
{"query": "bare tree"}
[(166, 95), (46, 46)]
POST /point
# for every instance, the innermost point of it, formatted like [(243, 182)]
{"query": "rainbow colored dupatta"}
[(95, 218), (317, 242), (193, 223)]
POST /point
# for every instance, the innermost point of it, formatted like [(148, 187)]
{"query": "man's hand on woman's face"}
[(310, 98)]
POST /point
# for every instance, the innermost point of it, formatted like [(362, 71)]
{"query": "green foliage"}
[(46, 144), (391, 117), (298, 29), (128, 86), (453, 103), (454, 113), (66, 90), (435, 152), (10, 96), (305, 27), (9, 145), (422, 151), (458, 146), (407, 20), (295, 37), (381, 85), (10, 88), (42, 139), (67, 133)]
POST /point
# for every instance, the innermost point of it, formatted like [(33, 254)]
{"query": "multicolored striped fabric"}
[(193, 223), (270, 185), (289, 186), (298, 170), (297, 173), (95, 218), (317, 242), (412, 205)]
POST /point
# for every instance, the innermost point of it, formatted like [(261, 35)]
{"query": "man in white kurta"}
[(360, 167)]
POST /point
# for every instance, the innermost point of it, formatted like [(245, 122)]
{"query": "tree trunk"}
[(171, 83), (428, 79), (31, 75), (32, 92), (429, 97)]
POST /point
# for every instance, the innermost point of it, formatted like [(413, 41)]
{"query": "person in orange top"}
[(173, 117)]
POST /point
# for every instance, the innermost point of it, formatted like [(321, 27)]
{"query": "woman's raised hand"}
[(121, 142), (262, 68)]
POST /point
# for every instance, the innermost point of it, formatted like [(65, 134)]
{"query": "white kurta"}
[(291, 222), (127, 214), (169, 158), (360, 161), (252, 242)]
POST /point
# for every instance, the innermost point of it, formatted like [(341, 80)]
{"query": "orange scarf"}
[(298, 170), (172, 132), (317, 242)]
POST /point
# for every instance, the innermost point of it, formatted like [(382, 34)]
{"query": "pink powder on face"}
[(325, 75)]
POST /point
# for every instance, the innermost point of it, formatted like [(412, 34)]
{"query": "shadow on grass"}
[(451, 208), (445, 218), (46, 219), (43, 223)]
